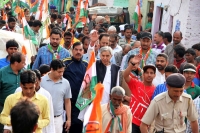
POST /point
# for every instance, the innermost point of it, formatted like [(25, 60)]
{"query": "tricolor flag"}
[(137, 17), (82, 11), (3, 3), (4, 15), (42, 7), (34, 6), (28, 32), (87, 92), (46, 22), (24, 52), (93, 116), (19, 3)]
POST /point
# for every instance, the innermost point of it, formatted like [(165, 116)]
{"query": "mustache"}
[(68, 42)]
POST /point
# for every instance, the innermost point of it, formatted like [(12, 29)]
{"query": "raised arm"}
[(134, 62)]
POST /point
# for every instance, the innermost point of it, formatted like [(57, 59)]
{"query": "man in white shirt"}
[(50, 128), (113, 43), (161, 63), (112, 30)]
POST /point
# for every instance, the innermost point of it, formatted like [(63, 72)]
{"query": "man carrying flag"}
[(116, 117), (93, 117)]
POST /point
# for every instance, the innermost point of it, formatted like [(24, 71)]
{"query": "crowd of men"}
[(151, 82)]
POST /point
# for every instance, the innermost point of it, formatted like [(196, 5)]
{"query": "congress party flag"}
[(87, 92)]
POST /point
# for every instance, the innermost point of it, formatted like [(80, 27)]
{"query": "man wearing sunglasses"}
[(148, 54)]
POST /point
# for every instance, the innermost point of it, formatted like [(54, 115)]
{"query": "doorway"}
[(157, 17)]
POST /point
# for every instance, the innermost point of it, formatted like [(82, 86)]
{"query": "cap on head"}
[(176, 80), (80, 25), (149, 66), (189, 70), (52, 7), (99, 19), (146, 35), (121, 27)]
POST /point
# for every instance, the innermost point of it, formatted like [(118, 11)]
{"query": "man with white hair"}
[(116, 117), (112, 30), (107, 73), (103, 40), (99, 19)]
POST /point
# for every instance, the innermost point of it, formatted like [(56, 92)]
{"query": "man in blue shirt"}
[(11, 47), (51, 51), (148, 54), (162, 87)]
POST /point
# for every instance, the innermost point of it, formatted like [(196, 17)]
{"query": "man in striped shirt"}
[(159, 45), (162, 87)]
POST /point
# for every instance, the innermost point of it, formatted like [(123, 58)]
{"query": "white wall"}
[(188, 15), (107, 2), (192, 30)]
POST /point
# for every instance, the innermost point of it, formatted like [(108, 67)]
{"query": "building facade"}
[(182, 15), (146, 6)]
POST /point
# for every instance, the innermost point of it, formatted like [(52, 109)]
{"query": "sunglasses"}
[(132, 64)]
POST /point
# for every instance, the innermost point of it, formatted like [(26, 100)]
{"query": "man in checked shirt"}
[(197, 105)]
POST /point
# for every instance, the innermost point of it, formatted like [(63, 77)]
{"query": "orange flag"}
[(4, 16), (78, 11), (94, 124), (24, 50), (40, 8), (69, 23)]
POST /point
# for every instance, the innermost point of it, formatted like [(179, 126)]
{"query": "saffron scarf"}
[(55, 53), (144, 58), (122, 110)]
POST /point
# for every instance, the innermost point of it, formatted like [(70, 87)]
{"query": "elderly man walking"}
[(116, 117)]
